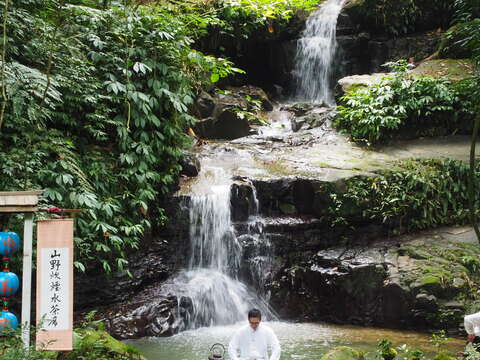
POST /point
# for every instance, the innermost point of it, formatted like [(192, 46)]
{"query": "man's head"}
[(254, 318)]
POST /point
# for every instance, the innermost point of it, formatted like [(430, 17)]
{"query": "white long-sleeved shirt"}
[(472, 324), (249, 344)]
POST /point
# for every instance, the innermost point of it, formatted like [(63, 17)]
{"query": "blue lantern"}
[(8, 321), (9, 284), (9, 243)]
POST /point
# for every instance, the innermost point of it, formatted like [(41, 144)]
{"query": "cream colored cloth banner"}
[(55, 284)]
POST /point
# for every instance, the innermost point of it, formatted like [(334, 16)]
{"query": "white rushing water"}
[(315, 53), (211, 279)]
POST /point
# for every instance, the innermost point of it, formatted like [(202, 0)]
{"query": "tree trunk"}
[(472, 178)]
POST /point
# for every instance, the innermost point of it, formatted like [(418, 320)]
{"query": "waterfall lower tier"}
[(211, 282), (216, 299)]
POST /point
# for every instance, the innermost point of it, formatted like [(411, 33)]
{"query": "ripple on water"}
[(299, 341)]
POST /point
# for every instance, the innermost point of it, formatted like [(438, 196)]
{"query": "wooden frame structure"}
[(25, 202)]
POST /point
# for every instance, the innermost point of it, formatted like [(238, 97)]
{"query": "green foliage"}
[(386, 350), (273, 9), (89, 344), (466, 10), (472, 263), (471, 352), (96, 115), (417, 105), (416, 195)]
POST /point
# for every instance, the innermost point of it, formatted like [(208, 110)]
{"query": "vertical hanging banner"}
[(55, 284)]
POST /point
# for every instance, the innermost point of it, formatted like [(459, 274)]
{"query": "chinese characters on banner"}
[(55, 284)]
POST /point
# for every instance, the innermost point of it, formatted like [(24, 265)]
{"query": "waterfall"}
[(315, 54), (211, 280)]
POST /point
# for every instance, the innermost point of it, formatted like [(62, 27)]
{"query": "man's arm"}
[(467, 322), (233, 347), (276, 350)]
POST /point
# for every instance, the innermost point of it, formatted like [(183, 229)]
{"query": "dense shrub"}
[(403, 104), (417, 194), (96, 110)]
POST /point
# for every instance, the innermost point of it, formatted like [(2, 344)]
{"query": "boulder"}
[(228, 125), (313, 119), (255, 93), (453, 69), (231, 112), (190, 165), (242, 201), (358, 81), (204, 105), (158, 316)]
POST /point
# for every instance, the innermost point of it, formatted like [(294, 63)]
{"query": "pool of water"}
[(299, 341)]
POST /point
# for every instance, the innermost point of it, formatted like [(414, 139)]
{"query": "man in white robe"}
[(253, 340), (472, 327)]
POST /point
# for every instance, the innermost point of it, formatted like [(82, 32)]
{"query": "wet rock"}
[(287, 209), (298, 109), (454, 305), (242, 201), (426, 302), (190, 165), (313, 119), (227, 124), (227, 118), (163, 316), (338, 287), (96, 289), (255, 93)]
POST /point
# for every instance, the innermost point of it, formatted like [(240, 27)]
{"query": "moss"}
[(288, 209), (441, 272), (276, 168), (342, 353), (453, 69)]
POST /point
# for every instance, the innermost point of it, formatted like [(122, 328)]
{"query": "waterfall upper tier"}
[(316, 51)]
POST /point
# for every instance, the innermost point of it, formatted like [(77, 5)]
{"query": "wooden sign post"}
[(55, 284)]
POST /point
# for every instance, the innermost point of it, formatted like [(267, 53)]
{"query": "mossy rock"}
[(288, 209), (342, 353), (430, 284), (358, 82), (452, 69)]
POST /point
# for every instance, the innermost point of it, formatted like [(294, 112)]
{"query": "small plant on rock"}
[(386, 349)]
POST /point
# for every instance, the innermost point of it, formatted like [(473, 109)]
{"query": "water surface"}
[(299, 341)]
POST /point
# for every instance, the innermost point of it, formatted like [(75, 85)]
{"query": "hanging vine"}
[(4, 52), (127, 61), (53, 41)]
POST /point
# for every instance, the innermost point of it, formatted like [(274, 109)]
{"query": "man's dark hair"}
[(254, 313)]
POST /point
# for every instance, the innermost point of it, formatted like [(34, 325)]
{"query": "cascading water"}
[(315, 53), (211, 280)]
